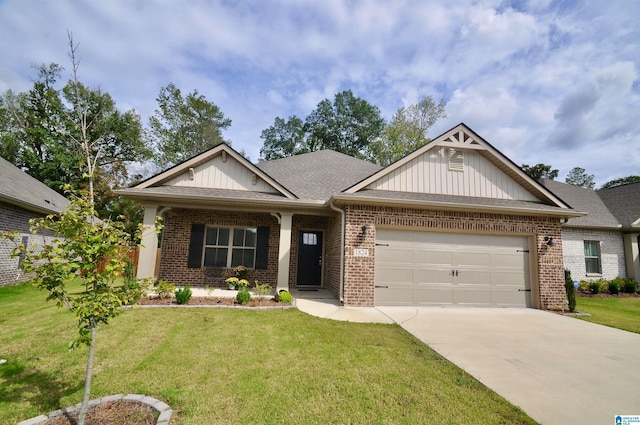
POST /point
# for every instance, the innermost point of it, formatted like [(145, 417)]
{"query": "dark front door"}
[(310, 258)]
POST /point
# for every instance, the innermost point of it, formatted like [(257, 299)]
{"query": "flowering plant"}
[(242, 284), (232, 281), (240, 272)]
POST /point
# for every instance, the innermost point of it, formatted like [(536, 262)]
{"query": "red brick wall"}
[(175, 246), (359, 271)]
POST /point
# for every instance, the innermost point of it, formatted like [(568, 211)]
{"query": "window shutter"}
[(262, 248), (195, 246)]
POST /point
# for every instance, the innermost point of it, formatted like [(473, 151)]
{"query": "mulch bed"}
[(113, 413), (254, 302)]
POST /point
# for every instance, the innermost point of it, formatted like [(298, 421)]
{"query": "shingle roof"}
[(586, 200), (19, 188), (623, 202), (318, 175), (453, 200)]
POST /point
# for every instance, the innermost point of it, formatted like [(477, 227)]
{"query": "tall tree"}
[(348, 125), (621, 181), (407, 131), (182, 127), (283, 138), (540, 171), (579, 177), (43, 133)]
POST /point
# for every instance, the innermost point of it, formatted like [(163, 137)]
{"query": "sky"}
[(554, 82)]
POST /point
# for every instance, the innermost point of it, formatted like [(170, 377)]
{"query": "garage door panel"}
[(416, 268), (472, 295), (432, 295), (430, 256), (509, 298)]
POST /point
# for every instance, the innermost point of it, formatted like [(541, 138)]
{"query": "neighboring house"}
[(453, 223), (603, 244), (21, 198)]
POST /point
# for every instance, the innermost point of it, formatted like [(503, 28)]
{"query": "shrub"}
[(571, 290), (263, 288), (136, 288), (129, 272), (164, 289), (183, 295), (594, 287), (630, 285), (243, 296), (284, 297), (615, 285)]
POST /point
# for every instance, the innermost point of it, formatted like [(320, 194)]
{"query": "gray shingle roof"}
[(318, 175), (454, 200), (586, 200), (623, 202), (19, 188)]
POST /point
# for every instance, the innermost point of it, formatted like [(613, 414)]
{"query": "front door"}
[(310, 258)]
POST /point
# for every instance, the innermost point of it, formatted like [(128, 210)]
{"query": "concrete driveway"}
[(559, 370)]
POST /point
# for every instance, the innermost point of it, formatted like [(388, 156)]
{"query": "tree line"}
[(578, 176)]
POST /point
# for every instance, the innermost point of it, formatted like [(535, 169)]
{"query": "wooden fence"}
[(133, 253)]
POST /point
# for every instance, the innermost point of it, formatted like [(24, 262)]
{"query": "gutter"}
[(342, 231)]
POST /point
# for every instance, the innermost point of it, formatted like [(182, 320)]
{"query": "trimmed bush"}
[(243, 296), (183, 295), (284, 297), (615, 285), (164, 289), (594, 287), (571, 290), (630, 285)]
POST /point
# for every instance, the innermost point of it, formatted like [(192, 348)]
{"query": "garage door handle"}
[(382, 286), (524, 290), (382, 244)]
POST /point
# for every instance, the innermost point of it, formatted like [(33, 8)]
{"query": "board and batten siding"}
[(219, 174), (429, 173)]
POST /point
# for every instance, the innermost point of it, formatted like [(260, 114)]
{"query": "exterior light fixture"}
[(549, 240), (363, 230)]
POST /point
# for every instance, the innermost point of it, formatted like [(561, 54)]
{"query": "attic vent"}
[(456, 160)]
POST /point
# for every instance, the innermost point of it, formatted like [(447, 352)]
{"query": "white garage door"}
[(425, 268)]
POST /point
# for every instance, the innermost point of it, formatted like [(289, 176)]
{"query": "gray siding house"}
[(21, 198)]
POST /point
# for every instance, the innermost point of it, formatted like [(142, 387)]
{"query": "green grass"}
[(222, 366), (622, 313)]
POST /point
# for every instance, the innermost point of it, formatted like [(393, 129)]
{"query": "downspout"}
[(342, 231)]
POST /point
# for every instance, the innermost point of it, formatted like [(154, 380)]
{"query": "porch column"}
[(632, 255), (149, 248), (284, 252)]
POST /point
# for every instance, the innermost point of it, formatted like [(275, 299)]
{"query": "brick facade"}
[(359, 271), (175, 246), (612, 257)]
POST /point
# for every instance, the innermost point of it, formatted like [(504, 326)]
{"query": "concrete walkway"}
[(559, 370)]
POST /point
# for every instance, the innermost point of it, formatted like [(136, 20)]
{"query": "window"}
[(592, 257), (229, 247), (309, 239)]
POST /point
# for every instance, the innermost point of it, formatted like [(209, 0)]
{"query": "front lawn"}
[(223, 366), (617, 312)]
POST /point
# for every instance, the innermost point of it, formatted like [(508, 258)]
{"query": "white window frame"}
[(230, 246), (591, 257)]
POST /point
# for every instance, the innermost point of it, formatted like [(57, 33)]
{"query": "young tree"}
[(579, 177), (81, 241), (407, 131), (182, 127), (621, 181), (540, 171)]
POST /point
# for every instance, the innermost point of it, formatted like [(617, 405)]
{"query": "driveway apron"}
[(559, 370)]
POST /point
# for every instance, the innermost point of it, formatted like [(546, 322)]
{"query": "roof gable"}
[(19, 188), (459, 163), (220, 167)]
